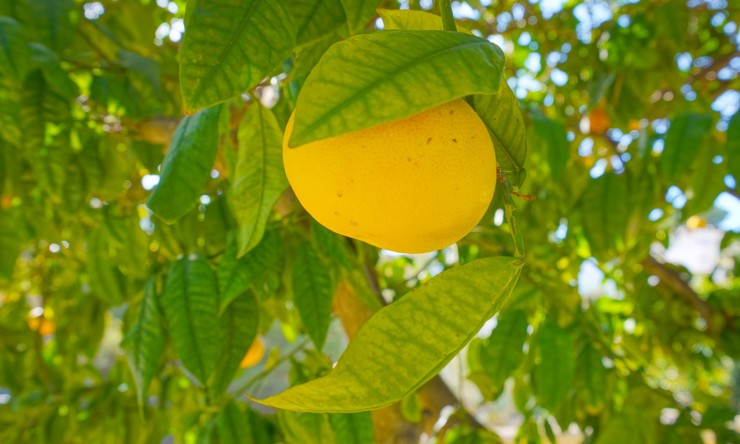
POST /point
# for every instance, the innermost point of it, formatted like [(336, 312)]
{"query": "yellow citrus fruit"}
[(412, 186), (254, 354)]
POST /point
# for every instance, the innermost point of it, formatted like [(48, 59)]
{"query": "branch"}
[(681, 288), (157, 130)]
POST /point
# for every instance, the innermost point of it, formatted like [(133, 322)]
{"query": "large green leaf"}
[(503, 118), (190, 305), (233, 426), (553, 134), (14, 54), (413, 20), (605, 211), (312, 293), (187, 165), (359, 13), (554, 374), (239, 325), (682, 143), (377, 78), (502, 352), (144, 343), (733, 146), (49, 22), (352, 428), (230, 46), (316, 18), (259, 177), (406, 343), (237, 275)]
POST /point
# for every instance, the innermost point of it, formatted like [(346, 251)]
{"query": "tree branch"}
[(673, 280)]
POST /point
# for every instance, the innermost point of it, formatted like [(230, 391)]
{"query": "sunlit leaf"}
[(187, 165), (406, 343), (259, 177), (144, 343), (312, 293), (190, 305), (413, 20), (593, 376), (377, 78), (230, 46)]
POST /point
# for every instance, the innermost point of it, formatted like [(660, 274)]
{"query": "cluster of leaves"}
[(124, 313)]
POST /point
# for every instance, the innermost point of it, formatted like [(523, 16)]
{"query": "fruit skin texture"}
[(412, 186)]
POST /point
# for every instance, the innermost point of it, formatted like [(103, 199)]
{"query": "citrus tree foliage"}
[(149, 239)]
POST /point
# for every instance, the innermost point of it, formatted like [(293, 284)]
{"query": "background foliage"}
[(118, 327)]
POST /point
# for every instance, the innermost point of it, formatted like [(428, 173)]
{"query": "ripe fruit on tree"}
[(412, 186)]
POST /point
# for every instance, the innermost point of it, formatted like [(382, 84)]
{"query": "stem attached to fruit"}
[(448, 21)]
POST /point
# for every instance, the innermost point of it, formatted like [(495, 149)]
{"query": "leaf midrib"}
[(360, 93)]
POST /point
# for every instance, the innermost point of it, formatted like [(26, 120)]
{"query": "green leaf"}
[(187, 165), (605, 213), (10, 244), (259, 176), (330, 244), (359, 13), (682, 143), (239, 325), (503, 118), (233, 426), (14, 54), (352, 428), (502, 352), (308, 55), (706, 182), (554, 135), (733, 146), (316, 18), (230, 46), (406, 343), (555, 372), (413, 20), (593, 376), (372, 79), (312, 293), (49, 22), (56, 77), (190, 304), (236, 275), (144, 344)]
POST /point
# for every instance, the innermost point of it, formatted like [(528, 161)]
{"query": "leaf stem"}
[(448, 21), (509, 208)]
